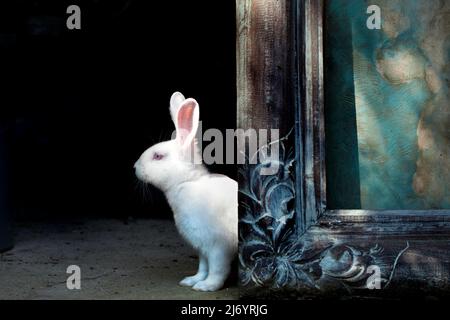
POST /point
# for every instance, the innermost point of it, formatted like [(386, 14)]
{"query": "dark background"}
[(78, 107)]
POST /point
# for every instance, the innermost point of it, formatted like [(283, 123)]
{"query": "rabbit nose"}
[(136, 164)]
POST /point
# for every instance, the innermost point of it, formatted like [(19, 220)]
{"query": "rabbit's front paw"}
[(192, 280), (207, 285)]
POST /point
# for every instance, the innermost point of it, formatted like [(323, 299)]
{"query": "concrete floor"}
[(143, 259)]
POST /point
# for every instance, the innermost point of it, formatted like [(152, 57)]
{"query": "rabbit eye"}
[(157, 156)]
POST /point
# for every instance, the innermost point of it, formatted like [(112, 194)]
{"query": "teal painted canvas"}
[(387, 105)]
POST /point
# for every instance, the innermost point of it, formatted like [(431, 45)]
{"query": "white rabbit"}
[(205, 205)]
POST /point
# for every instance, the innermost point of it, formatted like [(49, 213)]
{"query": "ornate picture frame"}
[(289, 240)]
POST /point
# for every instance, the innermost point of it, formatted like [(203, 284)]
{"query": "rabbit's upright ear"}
[(187, 122), (175, 103)]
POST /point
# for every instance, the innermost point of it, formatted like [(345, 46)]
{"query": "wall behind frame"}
[(83, 105)]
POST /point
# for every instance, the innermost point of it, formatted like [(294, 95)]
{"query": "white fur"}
[(205, 205)]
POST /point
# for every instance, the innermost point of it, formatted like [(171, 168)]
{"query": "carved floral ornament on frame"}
[(272, 254)]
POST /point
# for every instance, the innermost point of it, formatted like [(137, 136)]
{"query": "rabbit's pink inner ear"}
[(185, 120)]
